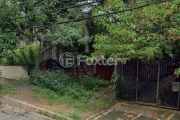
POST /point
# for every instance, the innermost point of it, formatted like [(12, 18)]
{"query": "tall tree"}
[(148, 33), (7, 40), (38, 20)]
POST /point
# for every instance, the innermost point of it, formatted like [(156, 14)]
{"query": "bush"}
[(28, 59), (65, 85), (91, 83), (25, 56), (61, 84), (1, 87), (11, 58), (118, 85), (123, 88)]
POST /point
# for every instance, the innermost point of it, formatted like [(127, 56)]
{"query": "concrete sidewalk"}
[(125, 111)]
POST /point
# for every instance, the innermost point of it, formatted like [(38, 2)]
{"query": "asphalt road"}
[(10, 113), (15, 116)]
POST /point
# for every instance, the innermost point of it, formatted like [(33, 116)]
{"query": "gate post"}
[(137, 80), (117, 69), (158, 79), (179, 98)]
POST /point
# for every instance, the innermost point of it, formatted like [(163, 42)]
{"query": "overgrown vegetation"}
[(57, 87), (24, 56), (93, 83), (9, 88), (122, 88), (149, 33), (81, 104), (6, 89), (13, 57), (118, 85)]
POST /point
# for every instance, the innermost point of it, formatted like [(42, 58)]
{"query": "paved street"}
[(137, 112), (11, 113)]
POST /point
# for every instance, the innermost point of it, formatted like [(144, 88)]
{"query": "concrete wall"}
[(13, 72)]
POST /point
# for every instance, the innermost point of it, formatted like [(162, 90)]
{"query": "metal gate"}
[(151, 83)]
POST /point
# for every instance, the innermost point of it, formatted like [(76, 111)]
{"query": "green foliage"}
[(148, 33), (83, 106), (1, 87), (58, 87), (28, 60), (25, 56), (43, 27), (118, 85), (0, 79), (20, 82), (65, 34), (0, 75), (61, 84), (6, 89), (177, 72), (13, 57), (7, 42), (123, 88), (91, 83), (74, 116), (54, 80)]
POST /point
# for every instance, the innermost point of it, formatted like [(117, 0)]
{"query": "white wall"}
[(13, 72)]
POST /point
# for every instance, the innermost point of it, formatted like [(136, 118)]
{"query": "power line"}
[(116, 7), (90, 17), (74, 6)]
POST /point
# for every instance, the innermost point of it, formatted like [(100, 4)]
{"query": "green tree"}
[(148, 33), (8, 40), (37, 20)]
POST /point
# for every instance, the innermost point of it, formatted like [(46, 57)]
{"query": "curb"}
[(104, 112), (31, 107), (139, 110)]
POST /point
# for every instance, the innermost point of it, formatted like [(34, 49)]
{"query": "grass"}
[(56, 117), (83, 106), (74, 116), (80, 105), (20, 82), (6, 89)]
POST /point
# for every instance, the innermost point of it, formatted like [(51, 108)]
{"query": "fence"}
[(152, 82)]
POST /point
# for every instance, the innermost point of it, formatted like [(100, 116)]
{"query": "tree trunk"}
[(86, 35)]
